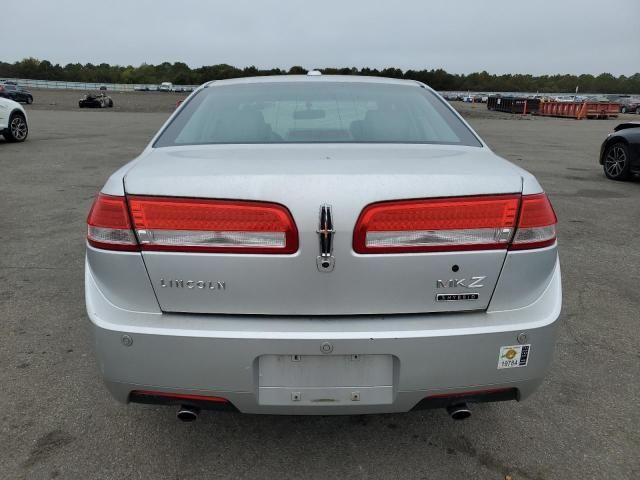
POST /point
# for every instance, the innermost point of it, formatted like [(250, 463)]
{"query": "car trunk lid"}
[(303, 178)]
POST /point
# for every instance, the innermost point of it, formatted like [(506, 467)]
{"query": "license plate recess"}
[(325, 379)]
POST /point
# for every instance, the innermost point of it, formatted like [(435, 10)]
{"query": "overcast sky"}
[(461, 36)]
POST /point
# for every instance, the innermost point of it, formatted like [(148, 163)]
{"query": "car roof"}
[(313, 78)]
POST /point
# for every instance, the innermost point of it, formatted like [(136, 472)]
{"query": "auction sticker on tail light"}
[(514, 356)]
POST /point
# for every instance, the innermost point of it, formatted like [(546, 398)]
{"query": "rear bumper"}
[(433, 355)]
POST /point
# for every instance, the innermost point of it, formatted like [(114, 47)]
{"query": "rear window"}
[(316, 112)]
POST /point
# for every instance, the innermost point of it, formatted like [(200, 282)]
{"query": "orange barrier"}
[(579, 110), (602, 110)]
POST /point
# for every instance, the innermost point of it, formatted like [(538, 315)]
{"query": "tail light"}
[(537, 223), (190, 225), (456, 224), (108, 224), (200, 225), (434, 225)]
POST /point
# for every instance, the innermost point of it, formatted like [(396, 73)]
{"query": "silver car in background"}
[(321, 245)]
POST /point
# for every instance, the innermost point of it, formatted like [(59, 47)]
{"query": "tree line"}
[(181, 74)]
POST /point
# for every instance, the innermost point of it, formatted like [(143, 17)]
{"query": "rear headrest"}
[(386, 125), (356, 129), (237, 126)]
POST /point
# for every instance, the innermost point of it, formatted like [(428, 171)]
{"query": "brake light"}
[(202, 225), (434, 225), (108, 224), (455, 224), (537, 223)]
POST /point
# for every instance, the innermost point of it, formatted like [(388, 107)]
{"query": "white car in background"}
[(13, 121)]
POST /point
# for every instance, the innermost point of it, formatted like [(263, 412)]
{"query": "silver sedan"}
[(321, 245)]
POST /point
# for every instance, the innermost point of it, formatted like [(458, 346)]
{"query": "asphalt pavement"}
[(58, 421)]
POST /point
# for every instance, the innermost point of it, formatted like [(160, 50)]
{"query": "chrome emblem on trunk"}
[(455, 297), (473, 282), (193, 284), (325, 261)]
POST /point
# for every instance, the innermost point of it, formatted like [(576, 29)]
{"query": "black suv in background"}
[(628, 103), (15, 92)]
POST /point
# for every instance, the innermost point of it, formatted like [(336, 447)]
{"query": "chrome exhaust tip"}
[(459, 412), (187, 414)]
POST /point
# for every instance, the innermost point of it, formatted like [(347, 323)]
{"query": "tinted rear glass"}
[(316, 112)]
